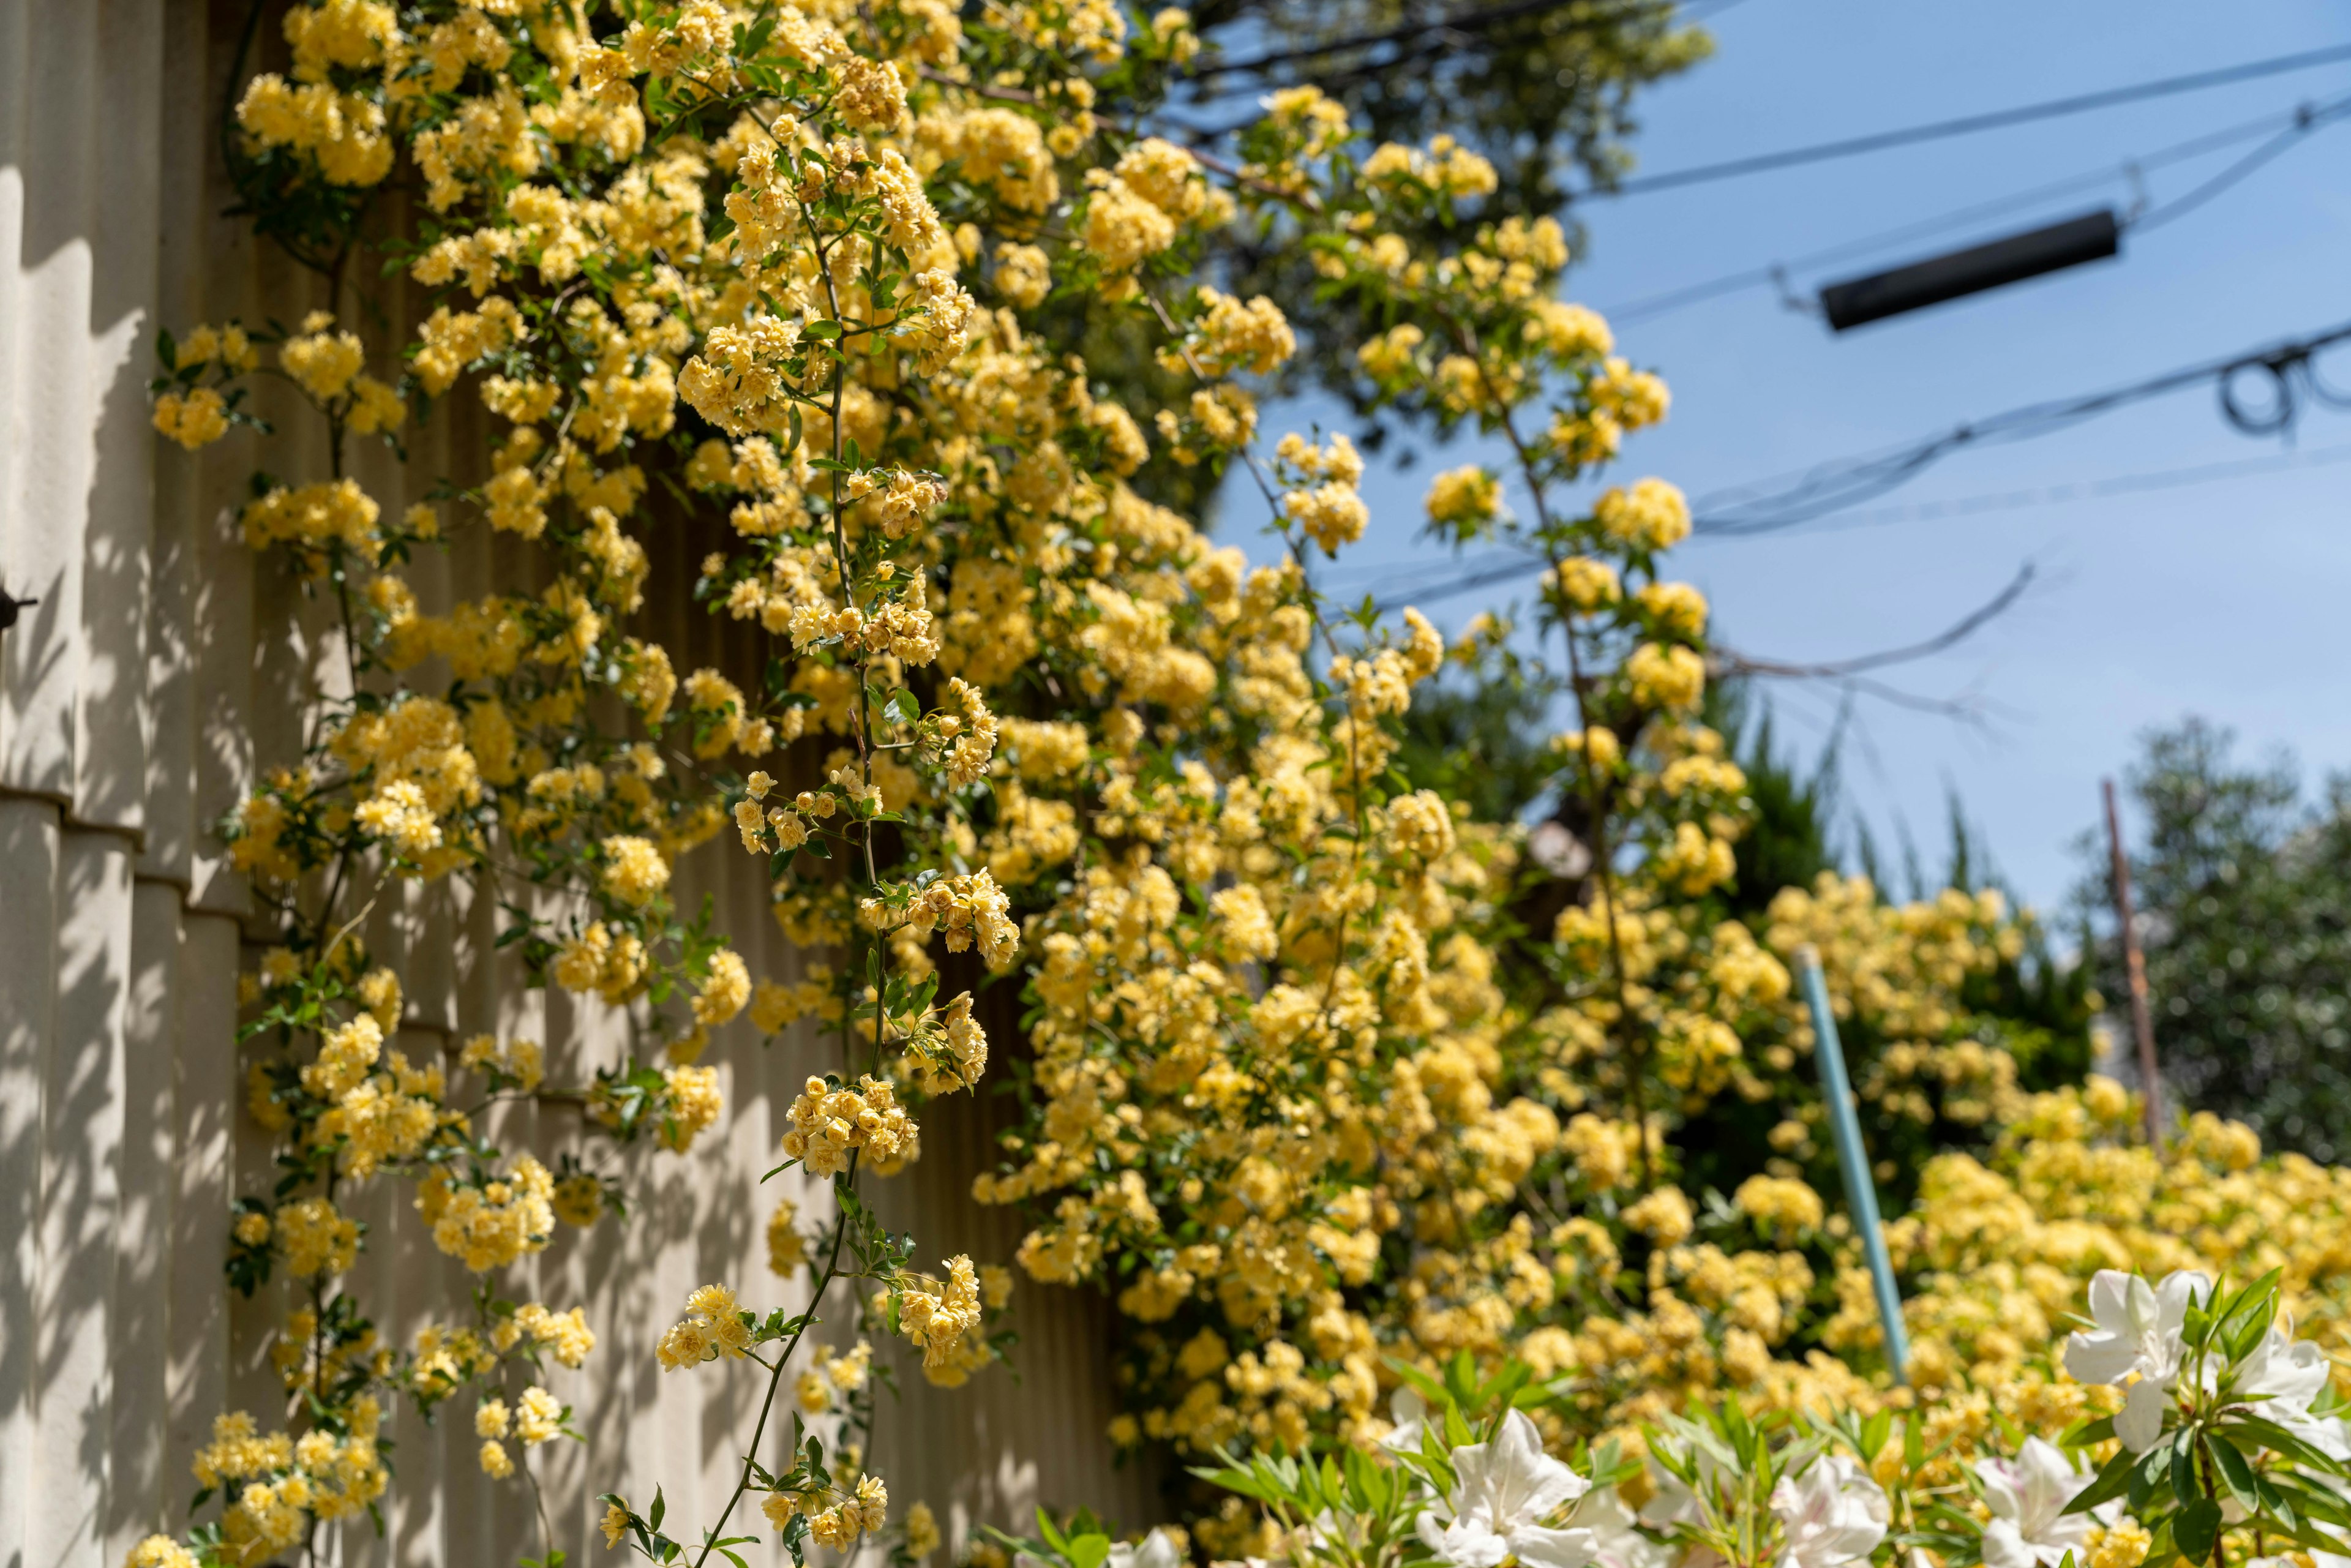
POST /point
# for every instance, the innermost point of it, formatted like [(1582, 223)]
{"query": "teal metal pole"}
[(1853, 1161)]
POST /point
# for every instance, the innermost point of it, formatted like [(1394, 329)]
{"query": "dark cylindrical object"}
[(2092, 236)]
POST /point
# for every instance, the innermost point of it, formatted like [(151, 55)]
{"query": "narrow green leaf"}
[(2235, 1473), (2110, 1483)]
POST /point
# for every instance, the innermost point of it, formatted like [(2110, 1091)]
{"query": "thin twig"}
[(1724, 661)]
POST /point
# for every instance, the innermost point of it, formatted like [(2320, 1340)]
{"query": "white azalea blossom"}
[(1409, 1411), (1616, 1543), (1831, 1513), (1155, 1551), (1671, 1499), (2138, 1340), (2140, 1327), (2320, 1559), (2027, 1495), (2285, 1374), (1507, 1487), (2139, 1423), (2331, 1436)]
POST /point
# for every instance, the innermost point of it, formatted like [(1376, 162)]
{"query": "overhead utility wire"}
[(2307, 119), (1460, 22), (1466, 21), (1831, 486), (1493, 571), (1967, 125), (1460, 33), (2294, 122), (2085, 490)]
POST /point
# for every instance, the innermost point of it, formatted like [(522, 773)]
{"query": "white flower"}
[(1156, 1551), (2331, 1436), (2321, 1560), (1506, 1488), (1831, 1513), (2139, 1327), (1671, 1499), (1409, 1411), (2027, 1495), (2285, 1374), (2139, 1423), (2141, 1333), (1615, 1543)]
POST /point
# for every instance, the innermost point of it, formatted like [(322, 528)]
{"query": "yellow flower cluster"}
[(1294, 1090), (2001, 1246), (316, 1237), (712, 1327), (288, 1481), (831, 1124), (935, 1317), (836, 1519), (490, 1224)]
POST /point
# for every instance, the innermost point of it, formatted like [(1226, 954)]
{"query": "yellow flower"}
[(195, 419), (635, 871)]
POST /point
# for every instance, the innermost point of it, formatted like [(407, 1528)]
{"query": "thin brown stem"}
[(1297, 549), (538, 1501), (776, 1377), (865, 700), (1603, 865)]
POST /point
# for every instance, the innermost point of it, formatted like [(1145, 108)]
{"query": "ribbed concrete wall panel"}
[(164, 666)]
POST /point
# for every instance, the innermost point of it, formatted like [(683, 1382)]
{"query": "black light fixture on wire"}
[(2092, 237), (2072, 241)]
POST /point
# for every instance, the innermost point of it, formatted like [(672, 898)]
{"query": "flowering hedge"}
[(1367, 1153)]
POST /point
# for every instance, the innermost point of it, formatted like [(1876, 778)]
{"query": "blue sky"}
[(2226, 598)]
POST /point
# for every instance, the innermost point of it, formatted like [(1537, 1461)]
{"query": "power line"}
[(1768, 506), (1980, 212), (2084, 489), (1967, 125), (2306, 121), (1465, 21), (1831, 487)]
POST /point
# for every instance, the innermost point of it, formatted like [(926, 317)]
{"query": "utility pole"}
[(2135, 963)]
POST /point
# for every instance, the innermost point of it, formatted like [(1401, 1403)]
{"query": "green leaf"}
[(2183, 1466), (1874, 1433), (1052, 1536), (1088, 1552), (2196, 1527), (2082, 1433), (2111, 1482), (2235, 1473), (1234, 1480), (2269, 1435)]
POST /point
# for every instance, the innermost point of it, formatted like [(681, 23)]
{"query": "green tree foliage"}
[(1546, 92), (2244, 893)]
